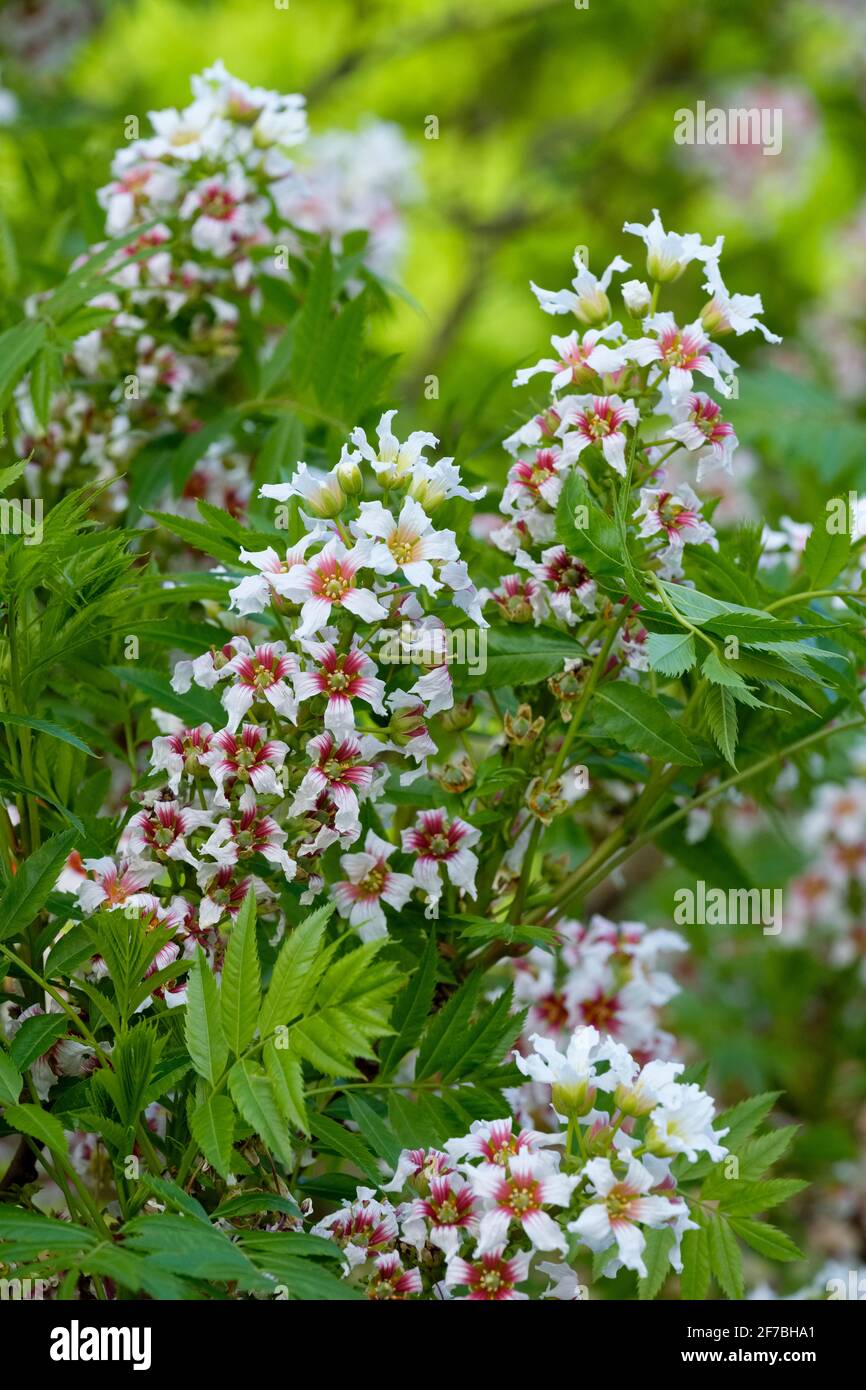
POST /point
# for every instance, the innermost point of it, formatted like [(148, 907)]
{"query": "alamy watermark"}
[(22, 518), (732, 907), (741, 125), (414, 645)]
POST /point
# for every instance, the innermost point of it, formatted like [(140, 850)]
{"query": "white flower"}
[(668, 253), (370, 883), (256, 591), (675, 515), (700, 428), (734, 313), (519, 1194), (408, 543), (328, 581), (587, 299), (392, 461), (682, 1124), (637, 298), (622, 1207), (680, 352), (579, 360), (598, 420)]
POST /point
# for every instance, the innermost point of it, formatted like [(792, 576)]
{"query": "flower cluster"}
[(471, 1220), (224, 194), (293, 787)]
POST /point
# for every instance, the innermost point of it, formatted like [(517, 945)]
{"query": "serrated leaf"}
[(826, 552), (766, 1239), (373, 1128), (721, 672), (411, 1010), (213, 1128), (759, 1154), (725, 1259), (349, 1146), (203, 1029), (720, 709), (240, 982), (39, 1124), (658, 1266), (44, 726), (293, 976), (640, 722), (749, 1197), (313, 319), (284, 1068), (11, 1080), (695, 1278), (35, 1036), (671, 653), (253, 1094), (33, 883), (743, 1119)]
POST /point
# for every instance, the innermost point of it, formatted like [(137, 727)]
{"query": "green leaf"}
[(640, 722), (725, 1259), (760, 1154), (447, 1030), (33, 883), (11, 1080), (766, 1239), (720, 710), (195, 706), (284, 1068), (35, 1036), (44, 727), (722, 673), (213, 1129), (826, 553), (743, 1119), (253, 1094), (518, 654), (695, 1278), (655, 1257), (294, 977), (39, 1124), (313, 320), (240, 983), (374, 1129), (671, 653), (32, 1234), (204, 1034), (18, 346), (349, 1146), (411, 1010), (749, 1197), (597, 543)]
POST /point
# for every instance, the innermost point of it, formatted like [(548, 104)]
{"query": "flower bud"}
[(637, 298), (573, 1098), (328, 499), (350, 477), (460, 716), (593, 309), (714, 318), (406, 724)]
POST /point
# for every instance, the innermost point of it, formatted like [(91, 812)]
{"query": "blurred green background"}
[(555, 124)]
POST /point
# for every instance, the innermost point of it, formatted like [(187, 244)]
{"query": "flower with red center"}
[(519, 1194), (225, 895), (340, 770), (408, 542), (837, 811), (361, 1228), (180, 753), (495, 1142), (341, 678), (489, 1278), (267, 586), (442, 844), (418, 1167), (370, 883), (252, 758), (680, 352), (392, 1281), (567, 577), (531, 482), (260, 675), (408, 731), (161, 832), (619, 1207), (701, 429), (451, 1208), (599, 421), (519, 600), (239, 838), (579, 361), (115, 883), (327, 582), (674, 515)]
